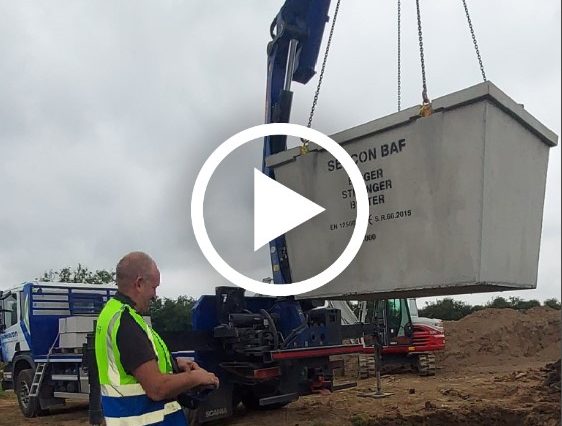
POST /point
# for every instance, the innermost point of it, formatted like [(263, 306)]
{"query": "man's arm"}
[(160, 386)]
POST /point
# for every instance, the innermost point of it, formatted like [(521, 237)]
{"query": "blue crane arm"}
[(297, 32)]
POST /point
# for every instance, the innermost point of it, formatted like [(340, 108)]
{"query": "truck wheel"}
[(29, 406), (426, 364)]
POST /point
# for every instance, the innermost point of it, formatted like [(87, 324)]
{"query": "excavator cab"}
[(393, 316)]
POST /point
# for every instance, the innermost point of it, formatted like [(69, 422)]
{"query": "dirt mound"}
[(551, 374), (475, 415), (502, 336)]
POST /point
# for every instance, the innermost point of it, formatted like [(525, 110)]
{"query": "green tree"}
[(446, 309), (476, 308), (513, 303), (552, 303), (80, 274), (499, 302), (518, 303), (169, 315)]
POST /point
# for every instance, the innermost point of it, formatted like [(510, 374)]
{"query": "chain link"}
[(321, 76), (399, 58), (420, 37), (474, 40)]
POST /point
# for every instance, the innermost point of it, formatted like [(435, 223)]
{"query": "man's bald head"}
[(133, 265)]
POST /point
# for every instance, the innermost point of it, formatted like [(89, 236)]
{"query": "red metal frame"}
[(316, 352), (425, 339)]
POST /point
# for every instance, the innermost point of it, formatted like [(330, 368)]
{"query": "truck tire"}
[(426, 364), (29, 406)]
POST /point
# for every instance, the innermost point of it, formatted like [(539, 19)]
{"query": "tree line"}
[(451, 310)]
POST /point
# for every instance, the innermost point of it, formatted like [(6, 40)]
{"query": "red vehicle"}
[(407, 339)]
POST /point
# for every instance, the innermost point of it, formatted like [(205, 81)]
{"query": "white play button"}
[(278, 209)]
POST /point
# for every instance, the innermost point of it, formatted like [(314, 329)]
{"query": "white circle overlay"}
[(250, 284)]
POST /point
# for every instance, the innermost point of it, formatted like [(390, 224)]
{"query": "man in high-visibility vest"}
[(138, 386)]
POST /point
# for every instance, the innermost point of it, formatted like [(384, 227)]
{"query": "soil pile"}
[(551, 373), (499, 336)]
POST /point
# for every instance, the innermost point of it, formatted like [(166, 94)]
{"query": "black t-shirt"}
[(134, 346)]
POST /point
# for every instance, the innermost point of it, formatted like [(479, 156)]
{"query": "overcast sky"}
[(108, 110)]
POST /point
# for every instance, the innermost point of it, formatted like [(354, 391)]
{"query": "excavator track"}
[(363, 366), (426, 364), (367, 366)]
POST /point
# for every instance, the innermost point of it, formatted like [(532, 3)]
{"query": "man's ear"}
[(138, 283)]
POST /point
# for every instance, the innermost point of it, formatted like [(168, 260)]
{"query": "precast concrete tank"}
[(456, 200)]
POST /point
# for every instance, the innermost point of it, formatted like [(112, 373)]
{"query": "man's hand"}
[(201, 376), (160, 386), (187, 365), (204, 378)]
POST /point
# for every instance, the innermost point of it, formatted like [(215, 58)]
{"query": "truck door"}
[(10, 330)]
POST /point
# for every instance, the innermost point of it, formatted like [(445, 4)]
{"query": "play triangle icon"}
[(278, 209)]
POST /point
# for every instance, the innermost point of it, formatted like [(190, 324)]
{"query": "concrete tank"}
[(456, 200)]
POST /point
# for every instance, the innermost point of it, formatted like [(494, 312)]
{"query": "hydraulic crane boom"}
[(297, 34)]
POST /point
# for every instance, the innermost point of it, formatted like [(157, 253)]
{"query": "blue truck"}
[(43, 355)]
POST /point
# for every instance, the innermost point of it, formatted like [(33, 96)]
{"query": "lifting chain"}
[(474, 40), (399, 57), (304, 147), (425, 109)]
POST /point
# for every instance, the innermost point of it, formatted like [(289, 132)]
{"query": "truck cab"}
[(12, 339), (43, 328)]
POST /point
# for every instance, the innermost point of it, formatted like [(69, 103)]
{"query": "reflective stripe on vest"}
[(124, 401), (169, 414), (123, 390)]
